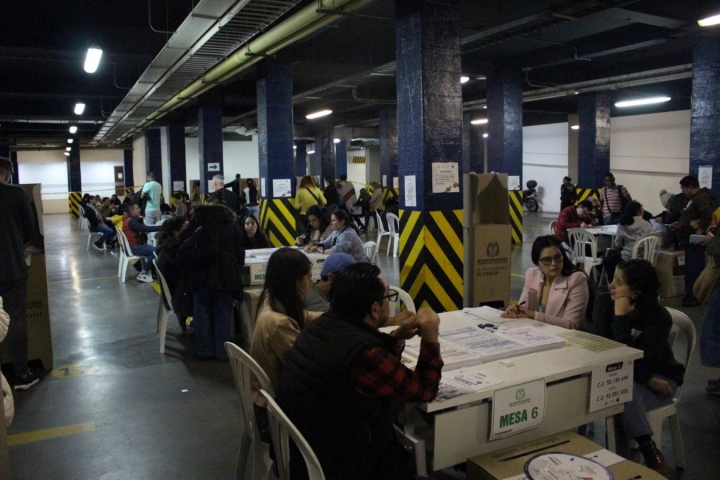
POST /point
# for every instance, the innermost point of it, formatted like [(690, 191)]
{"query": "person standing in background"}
[(568, 195), (152, 191), (614, 198), (235, 185), (16, 225), (331, 195), (252, 197)]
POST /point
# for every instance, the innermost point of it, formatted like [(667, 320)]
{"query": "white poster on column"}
[(705, 176), (262, 188), (282, 188), (445, 177), (384, 181), (410, 193)]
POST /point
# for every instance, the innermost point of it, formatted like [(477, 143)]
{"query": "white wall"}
[(649, 153), (238, 157), (356, 172), (139, 162), (545, 160)]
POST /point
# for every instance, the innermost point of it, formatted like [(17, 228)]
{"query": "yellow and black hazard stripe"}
[(278, 218), (431, 258), (74, 199), (129, 191), (516, 215), (358, 159), (391, 194), (585, 193)]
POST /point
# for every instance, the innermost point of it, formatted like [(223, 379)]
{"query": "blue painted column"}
[(301, 166), (128, 170), (275, 143), (388, 145), (704, 115), (593, 139), (341, 157), (153, 153), (210, 141), (16, 172), (73, 168), (325, 151), (176, 153), (429, 130), (473, 147), (504, 113)]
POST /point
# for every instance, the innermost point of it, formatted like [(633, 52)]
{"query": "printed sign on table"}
[(516, 409), (611, 384)]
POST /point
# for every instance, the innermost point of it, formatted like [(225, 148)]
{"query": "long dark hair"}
[(318, 212), (170, 226), (631, 210), (641, 277), (341, 214), (285, 268), (546, 241)]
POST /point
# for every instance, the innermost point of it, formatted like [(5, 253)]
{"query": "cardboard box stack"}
[(670, 268)]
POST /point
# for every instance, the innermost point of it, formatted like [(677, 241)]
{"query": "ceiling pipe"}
[(290, 31)]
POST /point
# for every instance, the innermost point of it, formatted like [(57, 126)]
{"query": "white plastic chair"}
[(371, 249), (403, 298), (552, 226), (381, 231), (252, 449), (126, 255), (394, 230), (647, 247), (90, 239), (165, 309), (82, 221), (579, 239), (281, 428)]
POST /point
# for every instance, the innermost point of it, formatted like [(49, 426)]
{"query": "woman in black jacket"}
[(253, 236), (631, 314), (211, 258)]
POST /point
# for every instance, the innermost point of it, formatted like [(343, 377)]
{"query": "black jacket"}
[(16, 226), (653, 327)]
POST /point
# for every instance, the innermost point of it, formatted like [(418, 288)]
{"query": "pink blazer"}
[(566, 302)]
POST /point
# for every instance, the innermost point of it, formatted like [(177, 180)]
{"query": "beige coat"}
[(8, 402), (274, 336)]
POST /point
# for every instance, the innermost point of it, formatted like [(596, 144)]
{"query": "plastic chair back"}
[(371, 249), (647, 247), (282, 430), (403, 298), (243, 367), (687, 328), (552, 226), (394, 229)]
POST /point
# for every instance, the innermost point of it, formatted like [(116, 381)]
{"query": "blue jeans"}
[(146, 251), (611, 220), (254, 211), (212, 316), (710, 334), (694, 265), (107, 233)]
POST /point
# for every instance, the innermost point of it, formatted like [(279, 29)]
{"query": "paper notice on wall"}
[(705, 176), (384, 183), (211, 186), (396, 182), (513, 182), (262, 188), (282, 188), (410, 193), (177, 186), (445, 177)]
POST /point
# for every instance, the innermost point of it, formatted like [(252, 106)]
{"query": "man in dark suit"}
[(228, 197)]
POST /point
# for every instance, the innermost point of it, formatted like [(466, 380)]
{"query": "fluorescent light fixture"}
[(336, 140), (73, 129), (485, 107), (79, 108), (92, 59), (67, 153), (294, 147), (709, 21), (641, 101), (464, 79), (70, 140), (575, 127), (68, 148), (319, 114), (310, 152), (479, 121), (485, 135)]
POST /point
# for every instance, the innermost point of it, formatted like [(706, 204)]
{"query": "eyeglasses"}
[(392, 296), (549, 260)]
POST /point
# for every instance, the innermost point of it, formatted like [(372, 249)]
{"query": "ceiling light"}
[(464, 79), (479, 121), (310, 152), (68, 148), (485, 107), (70, 140), (294, 147), (575, 127), (319, 114), (641, 101), (577, 92), (67, 153), (709, 21), (73, 129), (485, 135), (337, 140), (79, 108), (92, 59)]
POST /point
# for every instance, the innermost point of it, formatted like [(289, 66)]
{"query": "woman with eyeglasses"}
[(555, 291)]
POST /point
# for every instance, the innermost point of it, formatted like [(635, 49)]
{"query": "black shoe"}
[(654, 458), (137, 266), (24, 383), (98, 246), (690, 302)]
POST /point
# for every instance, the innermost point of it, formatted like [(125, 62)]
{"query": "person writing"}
[(318, 227), (344, 238), (574, 216), (555, 291)]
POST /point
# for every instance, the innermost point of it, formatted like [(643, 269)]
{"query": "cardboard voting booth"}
[(670, 267), (487, 238), (38, 313)]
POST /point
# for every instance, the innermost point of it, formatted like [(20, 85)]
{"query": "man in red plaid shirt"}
[(343, 379)]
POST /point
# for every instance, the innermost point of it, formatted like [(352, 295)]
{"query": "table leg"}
[(610, 434)]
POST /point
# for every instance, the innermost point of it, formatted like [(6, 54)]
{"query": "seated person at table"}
[(279, 320), (343, 379), (318, 298), (253, 236), (96, 224), (596, 212), (631, 227), (631, 314), (555, 291), (344, 238), (136, 232), (318, 227), (574, 216), (168, 245)]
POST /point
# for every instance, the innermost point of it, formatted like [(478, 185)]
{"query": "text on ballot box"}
[(611, 384), (518, 408)]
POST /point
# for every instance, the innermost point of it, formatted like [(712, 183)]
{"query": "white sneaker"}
[(145, 278)]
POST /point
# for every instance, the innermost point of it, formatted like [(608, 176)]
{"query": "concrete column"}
[(504, 127), (301, 166), (388, 145), (325, 151), (593, 139), (573, 147), (176, 153), (275, 143), (210, 141), (128, 170), (341, 157), (428, 81), (704, 115), (73, 168), (153, 154), (473, 145)]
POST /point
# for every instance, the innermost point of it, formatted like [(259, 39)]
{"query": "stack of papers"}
[(460, 382), (486, 313)]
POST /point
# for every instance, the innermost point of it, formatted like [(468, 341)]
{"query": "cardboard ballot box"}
[(256, 265), (670, 267), (487, 239), (509, 463)]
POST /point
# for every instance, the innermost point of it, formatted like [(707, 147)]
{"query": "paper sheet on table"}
[(459, 382), (532, 337), (454, 356), (489, 346), (486, 313), (588, 341)]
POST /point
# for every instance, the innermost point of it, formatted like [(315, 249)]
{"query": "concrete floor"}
[(150, 416)]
